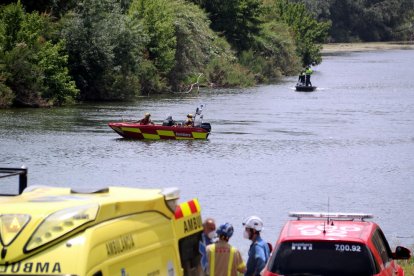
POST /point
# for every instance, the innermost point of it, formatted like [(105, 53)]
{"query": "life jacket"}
[(189, 122)]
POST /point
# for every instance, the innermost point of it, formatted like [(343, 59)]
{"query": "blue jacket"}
[(202, 245), (259, 253)]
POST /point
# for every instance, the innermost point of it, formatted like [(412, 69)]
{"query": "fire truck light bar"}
[(343, 216)]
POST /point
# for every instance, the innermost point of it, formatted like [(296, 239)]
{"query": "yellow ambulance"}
[(112, 231)]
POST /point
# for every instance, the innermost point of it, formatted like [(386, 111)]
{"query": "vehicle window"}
[(381, 244), (322, 258)]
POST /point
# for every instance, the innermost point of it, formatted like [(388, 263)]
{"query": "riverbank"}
[(365, 46)]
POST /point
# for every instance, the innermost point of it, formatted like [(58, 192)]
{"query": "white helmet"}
[(253, 222)]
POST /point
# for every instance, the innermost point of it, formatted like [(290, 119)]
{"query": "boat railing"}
[(21, 172)]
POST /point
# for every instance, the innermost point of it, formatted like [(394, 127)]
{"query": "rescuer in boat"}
[(146, 120), (308, 73), (189, 122), (223, 258), (259, 250), (169, 121), (301, 79)]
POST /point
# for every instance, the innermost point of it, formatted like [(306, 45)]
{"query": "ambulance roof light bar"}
[(337, 216), (171, 196)]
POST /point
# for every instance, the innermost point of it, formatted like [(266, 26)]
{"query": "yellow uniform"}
[(224, 259)]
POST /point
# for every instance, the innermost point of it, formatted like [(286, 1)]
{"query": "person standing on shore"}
[(208, 236), (209, 231), (223, 258), (259, 251)]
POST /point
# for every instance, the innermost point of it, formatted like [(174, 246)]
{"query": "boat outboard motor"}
[(206, 126)]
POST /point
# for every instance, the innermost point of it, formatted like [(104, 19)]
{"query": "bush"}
[(34, 68), (24, 76), (105, 50), (273, 54), (408, 265), (6, 95), (225, 74), (308, 33)]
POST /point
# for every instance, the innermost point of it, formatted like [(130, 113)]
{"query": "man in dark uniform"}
[(169, 121), (301, 79)]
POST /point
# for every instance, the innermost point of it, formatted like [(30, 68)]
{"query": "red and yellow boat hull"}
[(159, 132)]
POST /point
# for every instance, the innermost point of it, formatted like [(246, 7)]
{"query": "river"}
[(347, 147)]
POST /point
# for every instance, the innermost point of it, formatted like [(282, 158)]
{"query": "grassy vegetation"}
[(408, 265)]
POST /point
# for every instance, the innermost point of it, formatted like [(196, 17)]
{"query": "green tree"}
[(266, 47), (197, 47), (54, 8), (105, 50), (309, 34), (238, 20), (224, 74), (182, 29), (273, 54), (364, 20), (319, 9), (11, 17), (24, 76), (157, 19), (59, 86), (382, 18), (33, 68), (6, 94)]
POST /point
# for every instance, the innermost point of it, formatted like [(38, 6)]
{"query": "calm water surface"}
[(272, 150)]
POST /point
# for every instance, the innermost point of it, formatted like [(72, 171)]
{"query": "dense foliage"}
[(261, 42), (309, 34), (33, 67), (53, 52), (105, 49), (365, 20), (199, 50), (238, 20)]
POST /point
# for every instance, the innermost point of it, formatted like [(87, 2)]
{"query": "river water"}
[(347, 147)]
